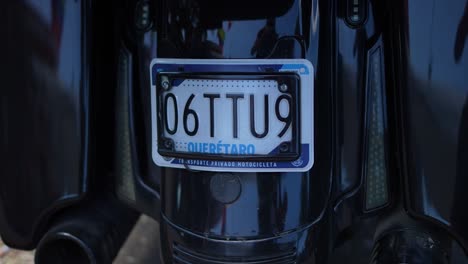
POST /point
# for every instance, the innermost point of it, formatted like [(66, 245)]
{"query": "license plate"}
[(232, 115)]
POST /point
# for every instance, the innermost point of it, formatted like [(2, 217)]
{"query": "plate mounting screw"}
[(165, 83), (168, 144), (283, 87), (284, 147)]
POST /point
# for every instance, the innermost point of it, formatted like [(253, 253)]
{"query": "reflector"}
[(375, 157)]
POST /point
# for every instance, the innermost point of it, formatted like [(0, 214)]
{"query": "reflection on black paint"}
[(462, 34), (42, 123), (272, 213), (266, 40)]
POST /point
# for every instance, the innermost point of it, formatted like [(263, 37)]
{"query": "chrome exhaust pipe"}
[(91, 233)]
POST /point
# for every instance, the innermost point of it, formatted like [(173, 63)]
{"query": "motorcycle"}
[(280, 131)]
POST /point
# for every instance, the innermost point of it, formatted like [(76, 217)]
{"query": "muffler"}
[(91, 233)]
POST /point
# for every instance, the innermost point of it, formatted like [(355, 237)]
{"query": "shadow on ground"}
[(142, 245)]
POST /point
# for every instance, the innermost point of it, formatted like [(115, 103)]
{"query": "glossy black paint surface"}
[(44, 119), (434, 89), (409, 247), (296, 247), (353, 45), (137, 178), (269, 204), (43, 113), (315, 29)]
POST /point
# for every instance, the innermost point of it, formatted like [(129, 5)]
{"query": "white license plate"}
[(232, 115)]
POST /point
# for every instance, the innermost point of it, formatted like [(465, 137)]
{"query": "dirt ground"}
[(141, 247), (10, 256)]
